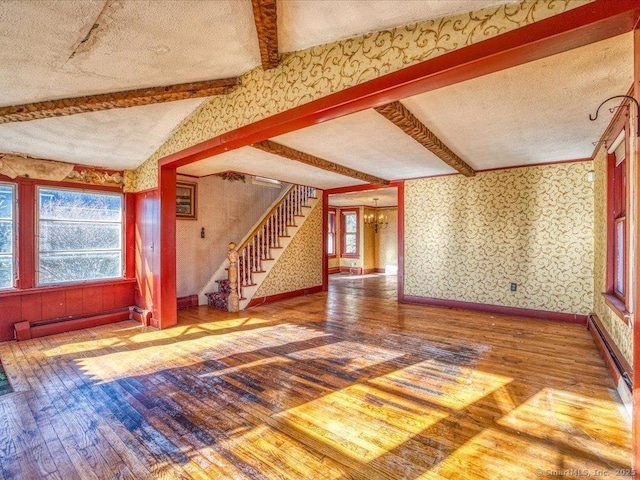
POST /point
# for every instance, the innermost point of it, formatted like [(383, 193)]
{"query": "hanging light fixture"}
[(377, 222)]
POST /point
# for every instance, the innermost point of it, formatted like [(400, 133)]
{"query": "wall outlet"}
[(514, 287), (353, 264)]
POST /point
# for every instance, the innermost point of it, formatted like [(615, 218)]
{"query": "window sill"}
[(617, 306), (350, 255), (332, 255), (66, 286)]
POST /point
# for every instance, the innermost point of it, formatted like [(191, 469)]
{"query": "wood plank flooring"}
[(327, 386)]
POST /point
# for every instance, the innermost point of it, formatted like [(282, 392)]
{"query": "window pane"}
[(7, 233), (350, 223), (6, 236), (70, 267), (6, 272), (72, 205), (66, 236), (619, 257), (6, 202), (330, 244), (350, 243), (79, 236)]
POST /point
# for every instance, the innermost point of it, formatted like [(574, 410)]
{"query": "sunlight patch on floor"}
[(360, 421), (442, 384), (349, 354), (206, 346), (582, 423)]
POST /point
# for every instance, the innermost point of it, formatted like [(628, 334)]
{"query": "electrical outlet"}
[(514, 287)]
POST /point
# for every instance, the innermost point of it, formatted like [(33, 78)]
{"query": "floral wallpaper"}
[(468, 239), (621, 333), (318, 71), (300, 265)]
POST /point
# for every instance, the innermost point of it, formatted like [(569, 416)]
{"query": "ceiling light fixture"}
[(375, 221)]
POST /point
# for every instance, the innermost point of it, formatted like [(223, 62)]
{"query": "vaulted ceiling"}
[(536, 112)]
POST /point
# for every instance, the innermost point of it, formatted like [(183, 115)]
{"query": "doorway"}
[(363, 241)]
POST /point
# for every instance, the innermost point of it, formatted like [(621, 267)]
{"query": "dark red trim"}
[(189, 301), (636, 293), (500, 309), (26, 251), (27, 330), (167, 309), (333, 270), (130, 235), (400, 274), (361, 188), (608, 349), (351, 270), (325, 229), (64, 287), (580, 26), (343, 232), (283, 296)]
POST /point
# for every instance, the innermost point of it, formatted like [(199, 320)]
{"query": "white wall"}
[(227, 210)]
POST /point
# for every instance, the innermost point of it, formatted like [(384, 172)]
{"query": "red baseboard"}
[(380, 270), (334, 270), (27, 330), (613, 358), (500, 309), (283, 296), (351, 270), (189, 301)]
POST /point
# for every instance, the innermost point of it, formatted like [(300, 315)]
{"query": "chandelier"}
[(375, 221)]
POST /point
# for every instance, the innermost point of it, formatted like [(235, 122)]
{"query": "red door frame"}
[(636, 291)]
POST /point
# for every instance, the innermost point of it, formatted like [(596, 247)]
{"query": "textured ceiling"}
[(137, 44), (303, 24), (533, 113), (116, 139), (387, 197)]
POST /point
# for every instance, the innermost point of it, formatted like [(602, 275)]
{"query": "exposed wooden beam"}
[(406, 121), (580, 26), (286, 152), (265, 16), (124, 99)]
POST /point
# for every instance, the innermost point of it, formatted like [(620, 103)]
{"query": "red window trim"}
[(343, 232), (618, 303), (332, 231), (26, 228)]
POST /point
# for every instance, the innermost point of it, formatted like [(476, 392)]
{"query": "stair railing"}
[(257, 247)]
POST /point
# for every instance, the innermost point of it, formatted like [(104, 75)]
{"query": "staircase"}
[(263, 246)]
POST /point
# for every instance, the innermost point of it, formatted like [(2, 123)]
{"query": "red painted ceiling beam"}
[(580, 26)]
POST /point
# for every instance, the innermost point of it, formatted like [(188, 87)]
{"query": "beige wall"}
[(300, 265), (621, 334), (387, 240), (227, 210), (467, 239)]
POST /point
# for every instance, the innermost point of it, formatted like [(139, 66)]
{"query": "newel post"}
[(233, 302)]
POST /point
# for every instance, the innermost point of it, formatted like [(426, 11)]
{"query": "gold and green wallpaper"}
[(621, 333), (318, 71), (468, 239), (300, 265)]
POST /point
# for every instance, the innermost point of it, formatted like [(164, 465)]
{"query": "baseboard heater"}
[(27, 330), (616, 363)]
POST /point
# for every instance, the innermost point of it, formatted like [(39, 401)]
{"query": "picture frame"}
[(186, 204)]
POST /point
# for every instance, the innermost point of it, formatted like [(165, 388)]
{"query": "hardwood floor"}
[(335, 386)]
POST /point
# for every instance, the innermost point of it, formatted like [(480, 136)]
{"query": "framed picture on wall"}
[(186, 194)]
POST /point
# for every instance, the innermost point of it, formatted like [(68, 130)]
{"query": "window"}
[(617, 224), (79, 235), (7, 235), (350, 233), (331, 233)]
